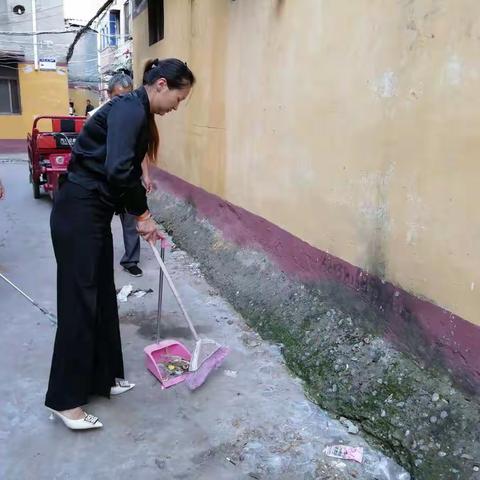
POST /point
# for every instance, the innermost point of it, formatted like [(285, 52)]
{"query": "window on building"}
[(104, 37), (127, 16), (9, 89), (114, 24), (155, 21)]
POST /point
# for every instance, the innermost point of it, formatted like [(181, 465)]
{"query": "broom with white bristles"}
[(208, 354)]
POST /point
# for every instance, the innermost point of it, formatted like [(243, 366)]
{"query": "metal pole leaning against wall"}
[(35, 37)]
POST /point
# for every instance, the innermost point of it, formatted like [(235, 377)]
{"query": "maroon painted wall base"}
[(13, 146)]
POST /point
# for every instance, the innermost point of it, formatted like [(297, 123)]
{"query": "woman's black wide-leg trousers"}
[(87, 355)]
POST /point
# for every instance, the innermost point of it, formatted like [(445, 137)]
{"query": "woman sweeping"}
[(104, 177)]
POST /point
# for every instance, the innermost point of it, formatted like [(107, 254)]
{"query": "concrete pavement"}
[(250, 420)]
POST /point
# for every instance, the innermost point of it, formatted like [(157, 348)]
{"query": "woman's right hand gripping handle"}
[(148, 228)]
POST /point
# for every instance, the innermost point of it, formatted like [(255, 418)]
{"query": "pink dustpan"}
[(159, 353)]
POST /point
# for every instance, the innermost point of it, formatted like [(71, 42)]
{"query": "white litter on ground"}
[(124, 292)]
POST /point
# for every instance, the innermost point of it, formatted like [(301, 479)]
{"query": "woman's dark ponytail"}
[(177, 75)]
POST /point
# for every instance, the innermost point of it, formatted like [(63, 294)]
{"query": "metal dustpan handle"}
[(160, 292), (174, 291)]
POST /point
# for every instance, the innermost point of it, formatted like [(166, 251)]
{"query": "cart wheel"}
[(36, 189), (36, 186)]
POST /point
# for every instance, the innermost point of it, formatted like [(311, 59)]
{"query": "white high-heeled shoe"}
[(85, 423), (121, 386)]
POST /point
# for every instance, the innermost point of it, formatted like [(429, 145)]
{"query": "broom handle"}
[(174, 291)]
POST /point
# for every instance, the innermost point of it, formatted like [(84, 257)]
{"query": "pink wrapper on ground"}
[(345, 452)]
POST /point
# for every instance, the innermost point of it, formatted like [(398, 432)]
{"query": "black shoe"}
[(134, 271)]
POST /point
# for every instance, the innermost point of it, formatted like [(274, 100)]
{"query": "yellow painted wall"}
[(352, 124), (79, 97), (41, 93)]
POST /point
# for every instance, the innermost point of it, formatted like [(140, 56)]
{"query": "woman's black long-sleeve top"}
[(109, 151)]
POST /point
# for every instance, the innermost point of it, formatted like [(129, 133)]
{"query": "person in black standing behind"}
[(120, 84), (104, 176), (89, 107)]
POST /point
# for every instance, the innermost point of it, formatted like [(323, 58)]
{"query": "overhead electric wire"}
[(47, 32)]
